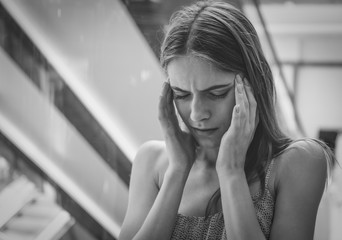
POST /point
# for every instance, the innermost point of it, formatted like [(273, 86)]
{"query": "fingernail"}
[(237, 108), (239, 87), (238, 79)]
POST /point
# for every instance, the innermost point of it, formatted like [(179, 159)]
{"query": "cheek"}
[(226, 109), (181, 109), (182, 112)]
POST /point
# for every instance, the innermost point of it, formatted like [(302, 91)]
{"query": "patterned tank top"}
[(212, 227)]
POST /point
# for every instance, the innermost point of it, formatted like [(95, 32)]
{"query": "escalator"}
[(59, 130), (73, 74), (68, 115), (28, 213)]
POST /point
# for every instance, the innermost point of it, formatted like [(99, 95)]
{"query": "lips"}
[(204, 131)]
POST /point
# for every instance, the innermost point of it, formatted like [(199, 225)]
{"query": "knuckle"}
[(242, 115)]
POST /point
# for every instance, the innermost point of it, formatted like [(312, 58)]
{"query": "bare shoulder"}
[(300, 178), (304, 152), (303, 160), (143, 190), (150, 153), (151, 158), (150, 149)]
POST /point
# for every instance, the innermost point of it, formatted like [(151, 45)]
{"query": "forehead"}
[(193, 72)]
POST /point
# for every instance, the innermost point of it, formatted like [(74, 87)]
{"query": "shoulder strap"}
[(268, 172)]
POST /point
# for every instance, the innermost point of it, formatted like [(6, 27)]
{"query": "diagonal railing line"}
[(279, 66), (29, 58)]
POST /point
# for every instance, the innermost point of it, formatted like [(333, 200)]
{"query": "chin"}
[(208, 143)]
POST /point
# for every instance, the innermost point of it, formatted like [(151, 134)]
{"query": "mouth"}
[(204, 131)]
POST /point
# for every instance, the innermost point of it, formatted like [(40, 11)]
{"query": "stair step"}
[(24, 224), (14, 197), (57, 228), (27, 228), (41, 210), (27, 214), (16, 236)]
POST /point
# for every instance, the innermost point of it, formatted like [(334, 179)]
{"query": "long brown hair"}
[(219, 33)]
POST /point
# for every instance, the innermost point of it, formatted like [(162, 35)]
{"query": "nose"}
[(199, 110)]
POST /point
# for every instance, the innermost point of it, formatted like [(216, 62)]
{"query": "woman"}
[(225, 169)]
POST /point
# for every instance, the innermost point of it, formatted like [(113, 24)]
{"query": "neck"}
[(207, 156)]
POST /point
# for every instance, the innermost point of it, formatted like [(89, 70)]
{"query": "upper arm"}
[(299, 182), (143, 188)]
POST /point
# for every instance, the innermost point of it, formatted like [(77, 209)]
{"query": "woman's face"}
[(204, 97)]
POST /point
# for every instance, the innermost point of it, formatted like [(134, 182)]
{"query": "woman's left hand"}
[(235, 142)]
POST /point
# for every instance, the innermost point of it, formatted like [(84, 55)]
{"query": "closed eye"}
[(217, 95), (180, 95), (211, 95)]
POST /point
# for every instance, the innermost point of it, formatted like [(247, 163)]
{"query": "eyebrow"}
[(215, 87)]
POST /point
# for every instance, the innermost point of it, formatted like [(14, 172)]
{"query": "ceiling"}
[(151, 15)]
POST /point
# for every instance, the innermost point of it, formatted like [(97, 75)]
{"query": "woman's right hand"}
[(180, 145)]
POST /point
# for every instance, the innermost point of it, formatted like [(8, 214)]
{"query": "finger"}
[(236, 121), (252, 104), (169, 94), (168, 98), (166, 109), (241, 98), (170, 105), (162, 103), (167, 114), (162, 96), (244, 93)]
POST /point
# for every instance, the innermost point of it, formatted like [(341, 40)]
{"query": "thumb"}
[(235, 116)]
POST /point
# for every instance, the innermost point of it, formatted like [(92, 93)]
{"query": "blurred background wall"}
[(79, 88)]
